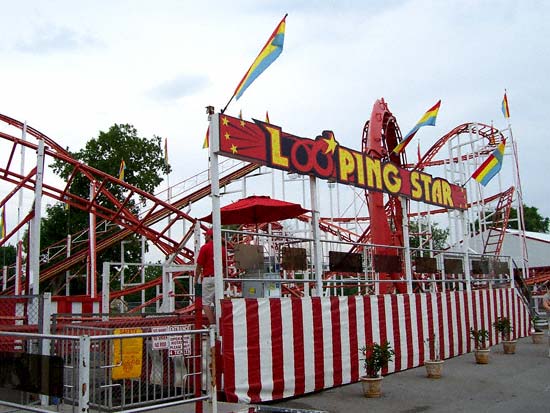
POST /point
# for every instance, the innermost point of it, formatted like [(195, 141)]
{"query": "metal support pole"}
[(4, 278), (105, 288), (511, 269), (166, 290), (34, 253), (407, 246), (18, 266), (46, 343), (466, 246), (84, 374), (213, 139), (92, 282), (68, 272), (213, 386), (22, 172), (143, 240), (317, 248)]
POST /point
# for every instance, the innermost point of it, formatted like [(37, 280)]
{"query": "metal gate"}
[(119, 370)]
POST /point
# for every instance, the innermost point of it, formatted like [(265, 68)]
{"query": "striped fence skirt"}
[(273, 348)]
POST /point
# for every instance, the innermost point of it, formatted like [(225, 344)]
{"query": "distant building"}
[(538, 247)]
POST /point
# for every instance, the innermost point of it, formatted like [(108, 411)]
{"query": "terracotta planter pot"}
[(434, 368), (482, 356), (537, 337), (509, 346), (372, 386)]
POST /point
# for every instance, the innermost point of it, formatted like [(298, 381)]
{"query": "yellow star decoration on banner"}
[(242, 123), (225, 121), (234, 149), (331, 144), (227, 135)]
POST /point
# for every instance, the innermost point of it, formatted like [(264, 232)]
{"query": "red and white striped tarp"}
[(79, 304), (277, 348)]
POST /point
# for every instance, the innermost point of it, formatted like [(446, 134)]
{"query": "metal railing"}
[(123, 370), (429, 270)]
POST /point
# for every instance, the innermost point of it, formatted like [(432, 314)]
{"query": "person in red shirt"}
[(205, 273)]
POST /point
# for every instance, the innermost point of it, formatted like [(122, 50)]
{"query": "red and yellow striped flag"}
[(3, 223), (121, 170), (206, 142)]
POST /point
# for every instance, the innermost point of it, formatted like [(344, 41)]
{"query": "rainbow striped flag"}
[(121, 170), (505, 108), (267, 55), (488, 169), (427, 120), (3, 223)]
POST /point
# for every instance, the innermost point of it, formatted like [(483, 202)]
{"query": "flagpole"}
[(230, 100), (467, 180), (521, 220)]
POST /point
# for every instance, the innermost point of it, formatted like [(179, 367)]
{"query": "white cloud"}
[(157, 66), (50, 39), (178, 87)]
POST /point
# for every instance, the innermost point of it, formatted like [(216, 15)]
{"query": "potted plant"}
[(434, 364), (504, 327), (480, 337), (375, 357), (537, 335)]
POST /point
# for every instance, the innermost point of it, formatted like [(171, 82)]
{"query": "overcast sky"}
[(73, 68)]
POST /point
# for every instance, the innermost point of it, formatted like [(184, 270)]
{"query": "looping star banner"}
[(267, 144)]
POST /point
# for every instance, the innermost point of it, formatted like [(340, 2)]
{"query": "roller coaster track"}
[(493, 136), (116, 195), (124, 222), (153, 219)]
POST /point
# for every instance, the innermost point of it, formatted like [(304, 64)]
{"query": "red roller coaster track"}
[(380, 135)]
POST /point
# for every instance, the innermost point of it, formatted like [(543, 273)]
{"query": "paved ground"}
[(509, 383)]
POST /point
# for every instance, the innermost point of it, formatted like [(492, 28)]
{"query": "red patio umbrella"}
[(256, 210)]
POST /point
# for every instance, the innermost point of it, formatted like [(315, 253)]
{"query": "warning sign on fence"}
[(160, 342), (177, 345), (127, 355)]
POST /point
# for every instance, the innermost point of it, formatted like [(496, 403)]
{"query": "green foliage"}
[(533, 220), (143, 157), (535, 320), (503, 326), (480, 337), (376, 356), (145, 166), (151, 273), (439, 235), (433, 345), (8, 255)]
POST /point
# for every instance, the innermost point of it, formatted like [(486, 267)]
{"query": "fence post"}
[(45, 328), (511, 269), (213, 378), (84, 374)]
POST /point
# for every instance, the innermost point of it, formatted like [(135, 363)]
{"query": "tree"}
[(439, 235), (8, 255), (533, 220), (145, 166)]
